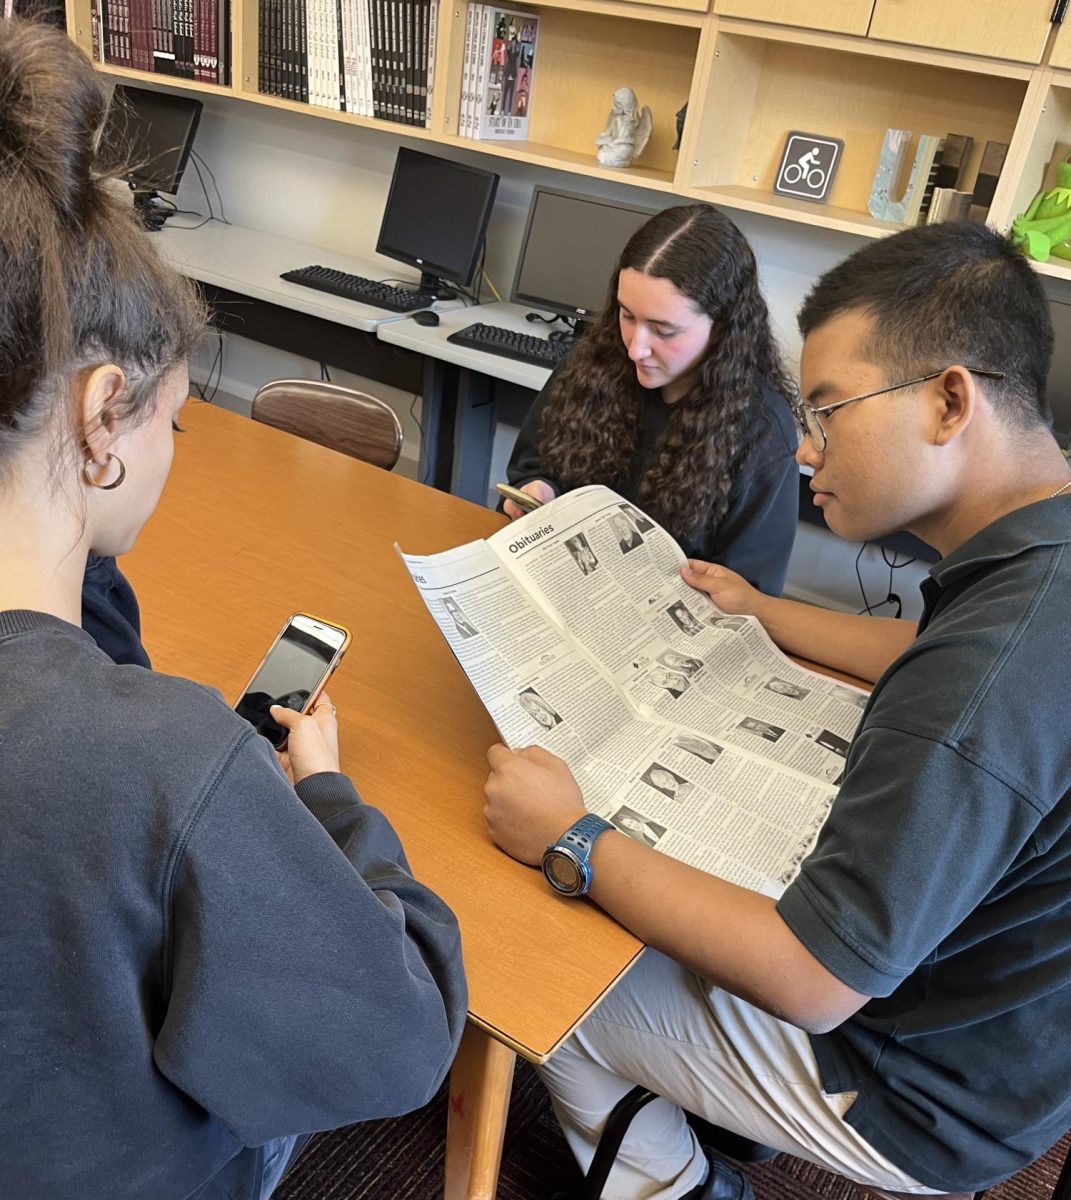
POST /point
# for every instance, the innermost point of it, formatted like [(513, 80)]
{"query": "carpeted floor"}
[(403, 1160)]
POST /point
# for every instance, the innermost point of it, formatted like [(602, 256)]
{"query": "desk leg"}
[(474, 437), (480, 1083), (438, 406)]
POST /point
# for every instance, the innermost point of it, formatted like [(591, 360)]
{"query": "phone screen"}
[(293, 670)]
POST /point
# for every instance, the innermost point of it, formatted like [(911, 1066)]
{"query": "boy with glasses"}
[(896, 1016)]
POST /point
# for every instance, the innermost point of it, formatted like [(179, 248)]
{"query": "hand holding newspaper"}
[(683, 725)]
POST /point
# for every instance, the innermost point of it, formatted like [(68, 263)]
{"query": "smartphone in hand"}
[(293, 672), (521, 499)]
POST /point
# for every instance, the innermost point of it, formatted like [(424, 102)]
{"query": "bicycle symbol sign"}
[(808, 164)]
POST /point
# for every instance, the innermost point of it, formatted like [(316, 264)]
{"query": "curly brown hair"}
[(592, 424)]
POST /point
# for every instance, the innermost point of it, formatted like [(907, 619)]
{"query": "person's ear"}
[(98, 390), (956, 399)]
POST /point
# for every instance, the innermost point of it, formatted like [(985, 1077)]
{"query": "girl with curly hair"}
[(677, 398)]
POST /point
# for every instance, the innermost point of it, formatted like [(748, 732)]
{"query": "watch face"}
[(562, 872)]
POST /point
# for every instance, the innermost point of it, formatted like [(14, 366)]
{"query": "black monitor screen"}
[(436, 215), (570, 249), (148, 137), (1059, 389)]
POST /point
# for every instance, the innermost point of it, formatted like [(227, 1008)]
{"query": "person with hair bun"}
[(677, 398), (207, 954)]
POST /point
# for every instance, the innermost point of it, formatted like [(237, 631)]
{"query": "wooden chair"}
[(337, 417), (725, 1142)]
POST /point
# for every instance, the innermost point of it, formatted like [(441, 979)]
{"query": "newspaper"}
[(683, 725)]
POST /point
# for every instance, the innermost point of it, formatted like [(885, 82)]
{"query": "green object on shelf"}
[(1043, 230)]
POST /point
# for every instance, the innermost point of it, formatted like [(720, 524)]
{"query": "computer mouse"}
[(426, 317)]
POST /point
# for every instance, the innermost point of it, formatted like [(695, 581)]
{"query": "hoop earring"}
[(104, 487)]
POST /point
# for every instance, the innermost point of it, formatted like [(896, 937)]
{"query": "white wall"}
[(325, 183)]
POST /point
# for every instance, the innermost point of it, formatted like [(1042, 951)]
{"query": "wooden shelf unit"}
[(748, 83), (766, 81)]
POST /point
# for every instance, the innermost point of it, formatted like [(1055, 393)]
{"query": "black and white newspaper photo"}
[(580, 636)]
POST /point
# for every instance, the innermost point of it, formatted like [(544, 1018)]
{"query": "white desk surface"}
[(250, 262), (431, 340)]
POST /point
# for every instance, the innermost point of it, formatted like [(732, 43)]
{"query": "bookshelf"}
[(765, 81), (750, 71)]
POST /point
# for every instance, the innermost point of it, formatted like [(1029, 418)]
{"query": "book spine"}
[(420, 55), (409, 57), (96, 41), (468, 71), (394, 53), (165, 56), (433, 33), (225, 42), (347, 43), (338, 66), (376, 16), (484, 52)]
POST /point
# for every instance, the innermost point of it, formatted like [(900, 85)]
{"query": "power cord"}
[(217, 360), (891, 597), (199, 162)]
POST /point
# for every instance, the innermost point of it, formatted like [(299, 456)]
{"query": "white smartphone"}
[(528, 503), (293, 672)]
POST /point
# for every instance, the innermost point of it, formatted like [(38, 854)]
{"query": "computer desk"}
[(207, 572), (238, 270), (486, 382)]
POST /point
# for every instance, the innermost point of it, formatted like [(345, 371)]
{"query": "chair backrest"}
[(337, 417)]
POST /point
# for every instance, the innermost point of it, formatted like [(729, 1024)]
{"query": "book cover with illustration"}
[(506, 72)]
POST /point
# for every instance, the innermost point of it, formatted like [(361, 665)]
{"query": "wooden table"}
[(255, 524)]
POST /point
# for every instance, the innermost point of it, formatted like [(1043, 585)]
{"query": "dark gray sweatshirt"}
[(195, 957)]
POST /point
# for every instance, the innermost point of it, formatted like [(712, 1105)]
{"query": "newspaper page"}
[(683, 725)]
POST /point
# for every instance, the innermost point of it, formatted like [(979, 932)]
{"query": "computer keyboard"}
[(525, 347), (356, 287)]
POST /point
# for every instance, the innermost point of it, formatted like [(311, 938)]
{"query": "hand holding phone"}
[(520, 501), (312, 744), (292, 673)]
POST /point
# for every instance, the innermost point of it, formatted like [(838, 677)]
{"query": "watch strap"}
[(581, 837)]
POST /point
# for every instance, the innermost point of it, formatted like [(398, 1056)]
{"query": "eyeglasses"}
[(808, 417)]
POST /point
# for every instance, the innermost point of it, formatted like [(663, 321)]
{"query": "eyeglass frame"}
[(803, 411)]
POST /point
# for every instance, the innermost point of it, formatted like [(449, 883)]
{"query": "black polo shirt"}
[(941, 882)]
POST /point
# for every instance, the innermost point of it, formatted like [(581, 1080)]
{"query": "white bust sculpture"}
[(627, 129)]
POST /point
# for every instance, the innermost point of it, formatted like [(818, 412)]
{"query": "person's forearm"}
[(861, 646), (730, 936)]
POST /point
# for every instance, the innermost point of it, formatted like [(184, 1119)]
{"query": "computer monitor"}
[(436, 218), (148, 137), (1059, 389), (571, 246)]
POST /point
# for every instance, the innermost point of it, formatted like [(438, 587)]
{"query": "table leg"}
[(480, 1083), (474, 436)]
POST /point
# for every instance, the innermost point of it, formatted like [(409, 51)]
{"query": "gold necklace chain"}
[(1053, 495)]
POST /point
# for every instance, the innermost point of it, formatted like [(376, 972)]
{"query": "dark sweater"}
[(196, 959), (756, 534), (110, 613)]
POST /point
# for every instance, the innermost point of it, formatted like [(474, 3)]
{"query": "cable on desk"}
[(494, 290), (417, 423)]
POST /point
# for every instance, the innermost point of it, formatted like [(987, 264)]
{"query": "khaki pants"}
[(705, 1051)]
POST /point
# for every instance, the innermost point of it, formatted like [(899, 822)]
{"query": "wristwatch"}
[(565, 862)]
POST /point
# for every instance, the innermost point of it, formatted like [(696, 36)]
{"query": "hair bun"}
[(51, 108)]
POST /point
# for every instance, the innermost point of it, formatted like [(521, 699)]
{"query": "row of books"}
[(187, 38), (497, 73), (375, 58)]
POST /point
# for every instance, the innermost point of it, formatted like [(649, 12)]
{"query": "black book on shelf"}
[(340, 51)]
